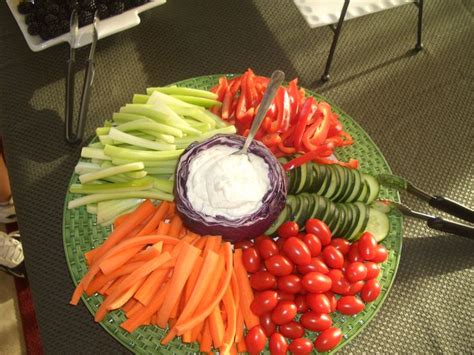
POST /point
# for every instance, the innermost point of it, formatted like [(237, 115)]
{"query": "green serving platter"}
[(81, 233)]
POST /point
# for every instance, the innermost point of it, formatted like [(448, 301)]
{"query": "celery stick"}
[(155, 194), (134, 185), (122, 117), (97, 145), (220, 123), (143, 135), (141, 155), (195, 113), (110, 172), (136, 174), (176, 90), (203, 127), (164, 107), (161, 170), (92, 209), (140, 99), (123, 137), (165, 138), (147, 125), (82, 167), (109, 210), (156, 96), (148, 164), (198, 101), (184, 142), (105, 139), (100, 131), (94, 153), (164, 185)]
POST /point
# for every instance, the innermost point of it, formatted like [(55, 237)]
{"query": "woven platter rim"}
[(354, 324)]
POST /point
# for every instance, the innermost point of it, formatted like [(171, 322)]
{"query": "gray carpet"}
[(418, 108)]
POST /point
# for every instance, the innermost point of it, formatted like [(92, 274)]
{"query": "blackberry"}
[(50, 19), (25, 8), (29, 18), (116, 8), (103, 11), (45, 32), (40, 14), (64, 14), (52, 8), (85, 18), (89, 5), (34, 28), (64, 25)]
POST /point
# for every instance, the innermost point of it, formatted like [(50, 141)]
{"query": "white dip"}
[(227, 185)]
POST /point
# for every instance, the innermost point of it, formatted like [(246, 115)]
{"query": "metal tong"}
[(76, 137)]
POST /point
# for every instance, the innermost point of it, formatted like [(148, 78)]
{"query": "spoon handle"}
[(275, 81)]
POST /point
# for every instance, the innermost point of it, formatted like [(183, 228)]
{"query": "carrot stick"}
[(120, 219), (151, 285), (199, 317), (239, 331), (103, 290), (245, 290), (184, 265), (216, 326), (130, 279), (168, 337), (174, 310), (213, 243), (136, 309), (233, 349), (175, 226), (206, 340), (129, 305), (133, 220), (231, 311), (90, 255), (241, 347), (235, 290), (115, 262), (127, 295), (146, 255), (171, 210), (107, 290), (200, 243), (158, 217)]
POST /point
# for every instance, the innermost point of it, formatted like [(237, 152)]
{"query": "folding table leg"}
[(337, 32), (419, 44)]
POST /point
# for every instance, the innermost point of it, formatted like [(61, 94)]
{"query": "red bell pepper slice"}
[(311, 155), (304, 115), (251, 93), (286, 150), (294, 100), (351, 164), (317, 133), (282, 102), (271, 139), (241, 108), (232, 89)]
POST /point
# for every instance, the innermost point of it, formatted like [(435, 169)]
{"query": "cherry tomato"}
[(319, 229), (318, 302), (316, 322), (373, 270), (278, 344), (267, 325), (301, 346), (297, 251), (345, 265), (251, 260), (350, 305), (284, 312), (244, 244), (262, 280), (264, 302), (328, 339), (371, 291), (313, 243), (279, 242), (289, 283), (267, 248), (354, 254), (341, 244), (356, 271), (317, 264), (291, 330), (316, 282), (301, 305), (288, 229), (332, 300), (285, 296), (340, 285), (381, 254), (333, 257), (279, 265), (255, 340), (367, 246), (355, 287)]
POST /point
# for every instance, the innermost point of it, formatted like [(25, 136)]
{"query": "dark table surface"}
[(418, 108)]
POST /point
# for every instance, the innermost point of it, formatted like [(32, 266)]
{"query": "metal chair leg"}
[(337, 32), (419, 44)]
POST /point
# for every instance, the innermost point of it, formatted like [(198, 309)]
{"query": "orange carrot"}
[(133, 220), (129, 305), (206, 340), (146, 255), (104, 289), (175, 226), (120, 219), (171, 210), (163, 228), (127, 295), (200, 243), (216, 326), (239, 331), (90, 255), (184, 265), (136, 309), (115, 262), (151, 285), (233, 349), (112, 286), (199, 317), (246, 293), (130, 279), (231, 311), (157, 218), (241, 347), (213, 242)]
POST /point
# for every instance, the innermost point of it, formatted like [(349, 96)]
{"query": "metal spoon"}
[(275, 81)]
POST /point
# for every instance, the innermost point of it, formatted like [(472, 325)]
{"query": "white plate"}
[(326, 12), (105, 28)]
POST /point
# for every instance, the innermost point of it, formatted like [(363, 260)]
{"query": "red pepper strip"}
[(221, 88), (242, 103), (282, 103), (251, 90), (305, 113), (286, 150), (334, 130), (271, 139), (229, 95), (294, 100), (267, 121), (316, 133), (302, 93), (311, 155), (351, 164), (245, 120)]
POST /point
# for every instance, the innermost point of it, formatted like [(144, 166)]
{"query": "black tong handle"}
[(70, 136), (446, 226), (453, 208)]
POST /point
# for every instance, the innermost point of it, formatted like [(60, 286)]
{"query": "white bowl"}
[(105, 28)]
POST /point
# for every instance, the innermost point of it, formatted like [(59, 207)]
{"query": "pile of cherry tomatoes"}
[(301, 273)]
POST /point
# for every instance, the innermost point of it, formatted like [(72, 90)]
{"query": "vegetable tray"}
[(81, 233)]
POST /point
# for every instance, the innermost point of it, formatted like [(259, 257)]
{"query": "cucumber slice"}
[(282, 217), (302, 178), (365, 191), (320, 206), (341, 220), (325, 178), (361, 221), (333, 183), (378, 224), (357, 187), (344, 182), (348, 217), (374, 187), (300, 207), (294, 176), (349, 183), (292, 204)]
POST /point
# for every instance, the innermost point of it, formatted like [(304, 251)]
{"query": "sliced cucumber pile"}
[(347, 220), (337, 183)]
